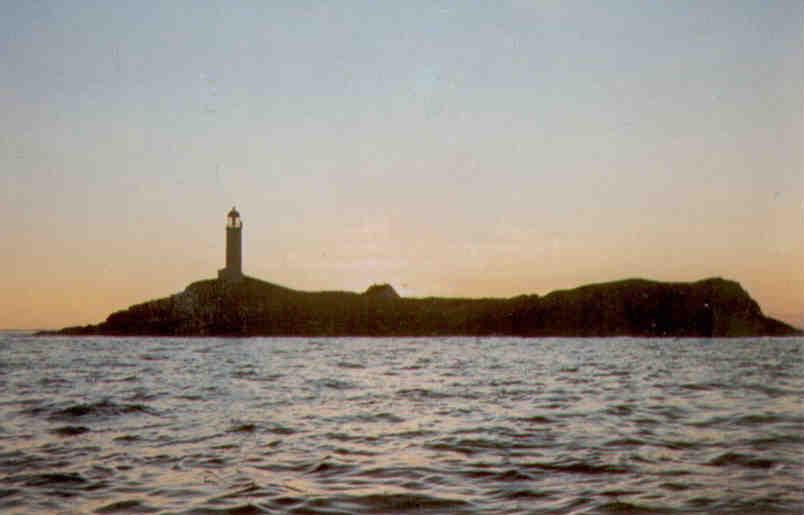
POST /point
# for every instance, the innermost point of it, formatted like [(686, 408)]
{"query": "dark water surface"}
[(347, 425)]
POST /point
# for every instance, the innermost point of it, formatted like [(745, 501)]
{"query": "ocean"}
[(400, 425)]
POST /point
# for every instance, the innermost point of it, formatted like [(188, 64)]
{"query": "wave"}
[(70, 430), (578, 467), (50, 479), (104, 408), (628, 507), (740, 459), (400, 503), (127, 506)]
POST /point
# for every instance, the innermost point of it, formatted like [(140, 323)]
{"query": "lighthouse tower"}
[(234, 254)]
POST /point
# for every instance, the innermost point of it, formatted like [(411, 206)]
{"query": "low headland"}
[(634, 307)]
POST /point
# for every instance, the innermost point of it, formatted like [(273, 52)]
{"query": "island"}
[(635, 307), (237, 305)]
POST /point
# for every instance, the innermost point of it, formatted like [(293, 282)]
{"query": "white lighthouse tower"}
[(234, 252)]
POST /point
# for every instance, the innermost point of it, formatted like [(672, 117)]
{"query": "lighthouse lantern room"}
[(234, 255)]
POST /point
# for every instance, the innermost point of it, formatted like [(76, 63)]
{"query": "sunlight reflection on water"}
[(458, 425)]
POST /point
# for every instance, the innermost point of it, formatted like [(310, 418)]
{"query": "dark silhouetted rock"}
[(634, 307), (381, 291)]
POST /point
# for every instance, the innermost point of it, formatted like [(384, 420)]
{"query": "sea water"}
[(400, 425)]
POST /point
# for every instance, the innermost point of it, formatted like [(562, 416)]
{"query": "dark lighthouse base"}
[(229, 275)]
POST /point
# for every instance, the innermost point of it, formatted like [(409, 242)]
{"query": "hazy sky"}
[(449, 148)]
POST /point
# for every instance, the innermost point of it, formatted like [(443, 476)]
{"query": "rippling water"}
[(348, 425)]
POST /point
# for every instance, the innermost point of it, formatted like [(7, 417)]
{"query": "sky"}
[(466, 149)]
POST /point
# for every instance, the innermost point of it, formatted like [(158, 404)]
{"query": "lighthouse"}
[(234, 253)]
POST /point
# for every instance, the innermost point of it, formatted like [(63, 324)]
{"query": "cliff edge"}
[(633, 307)]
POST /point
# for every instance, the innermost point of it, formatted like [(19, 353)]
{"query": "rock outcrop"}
[(634, 307)]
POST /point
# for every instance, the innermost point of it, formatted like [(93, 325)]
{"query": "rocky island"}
[(634, 307), (238, 305)]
